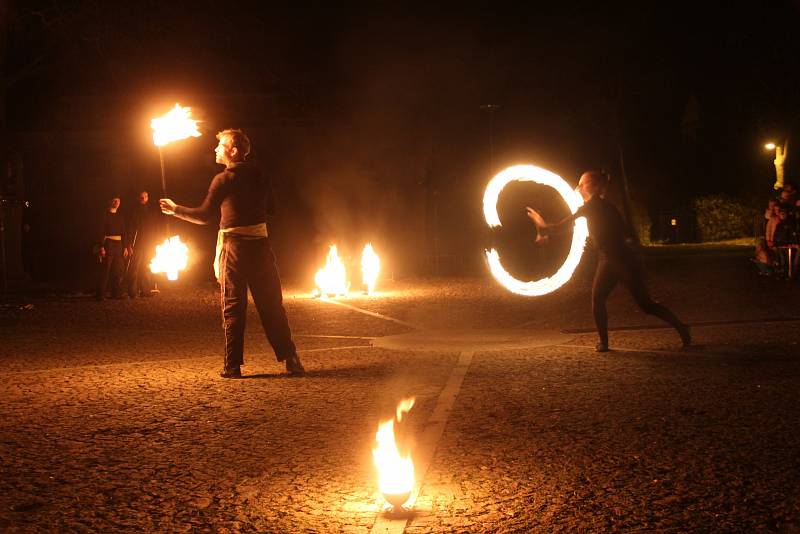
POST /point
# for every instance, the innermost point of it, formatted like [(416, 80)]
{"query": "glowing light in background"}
[(530, 173), (171, 257), (370, 267), (331, 280), (395, 472), (177, 124)]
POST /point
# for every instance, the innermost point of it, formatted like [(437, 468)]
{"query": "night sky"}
[(370, 114)]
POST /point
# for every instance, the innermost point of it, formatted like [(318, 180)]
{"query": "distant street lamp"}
[(780, 159)]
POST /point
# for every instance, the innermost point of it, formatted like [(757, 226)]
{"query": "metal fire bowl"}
[(397, 499)]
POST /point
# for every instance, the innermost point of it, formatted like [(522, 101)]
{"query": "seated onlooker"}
[(785, 234), (762, 258), (772, 220)]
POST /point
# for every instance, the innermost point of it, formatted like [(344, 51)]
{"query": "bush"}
[(641, 223), (721, 217)]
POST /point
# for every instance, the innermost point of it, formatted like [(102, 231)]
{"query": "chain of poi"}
[(530, 173)]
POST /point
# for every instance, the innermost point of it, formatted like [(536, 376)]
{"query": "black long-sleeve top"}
[(113, 224), (241, 194), (607, 228)]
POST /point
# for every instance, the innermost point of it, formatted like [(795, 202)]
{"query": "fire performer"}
[(111, 251), (242, 196), (617, 261)]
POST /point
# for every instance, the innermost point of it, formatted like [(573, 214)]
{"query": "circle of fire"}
[(530, 173)]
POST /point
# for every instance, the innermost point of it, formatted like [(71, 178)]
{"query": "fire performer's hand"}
[(102, 252), (535, 217), (167, 206)]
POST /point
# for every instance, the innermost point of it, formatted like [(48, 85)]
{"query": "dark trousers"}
[(249, 263), (624, 269), (111, 268), (138, 279)]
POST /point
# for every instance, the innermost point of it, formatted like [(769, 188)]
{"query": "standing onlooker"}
[(112, 252), (142, 234)]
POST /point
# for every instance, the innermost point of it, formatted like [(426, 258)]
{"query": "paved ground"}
[(112, 418)]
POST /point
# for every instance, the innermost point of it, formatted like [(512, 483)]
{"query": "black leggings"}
[(625, 269)]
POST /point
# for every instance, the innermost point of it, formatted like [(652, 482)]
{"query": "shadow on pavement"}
[(362, 371)]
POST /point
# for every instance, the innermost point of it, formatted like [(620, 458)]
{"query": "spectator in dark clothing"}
[(112, 252), (142, 230), (788, 196), (242, 196), (617, 262)]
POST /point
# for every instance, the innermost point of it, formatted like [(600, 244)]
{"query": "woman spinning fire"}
[(617, 262)]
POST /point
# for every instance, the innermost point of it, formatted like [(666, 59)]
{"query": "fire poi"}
[(172, 255), (395, 472), (530, 173), (370, 267)]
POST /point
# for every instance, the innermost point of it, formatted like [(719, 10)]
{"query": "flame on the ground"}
[(177, 124), (395, 472), (529, 173), (171, 257), (331, 280), (370, 267)]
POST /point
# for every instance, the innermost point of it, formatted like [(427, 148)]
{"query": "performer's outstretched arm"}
[(545, 229)]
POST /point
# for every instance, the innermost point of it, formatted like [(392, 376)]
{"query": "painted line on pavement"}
[(173, 360), (433, 430), (372, 314), (323, 336), (698, 324), (679, 352)]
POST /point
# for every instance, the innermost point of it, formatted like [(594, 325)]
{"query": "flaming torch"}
[(370, 267), (331, 280), (395, 472), (177, 124), (172, 254)]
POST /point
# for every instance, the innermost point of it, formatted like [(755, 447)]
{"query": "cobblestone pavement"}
[(112, 417)]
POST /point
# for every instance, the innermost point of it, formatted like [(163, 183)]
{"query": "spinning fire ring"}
[(530, 173)]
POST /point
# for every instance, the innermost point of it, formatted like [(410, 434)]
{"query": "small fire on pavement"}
[(395, 472), (171, 257), (331, 280), (370, 267)]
